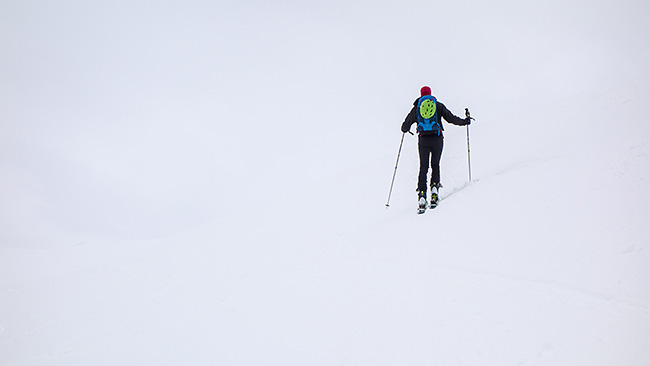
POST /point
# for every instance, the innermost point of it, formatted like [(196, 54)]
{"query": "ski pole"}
[(395, 171), (469, 165)]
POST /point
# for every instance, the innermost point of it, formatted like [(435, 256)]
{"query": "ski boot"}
[(422, 201), (435, 196)]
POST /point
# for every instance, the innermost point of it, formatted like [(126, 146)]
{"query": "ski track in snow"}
[(456, 190)]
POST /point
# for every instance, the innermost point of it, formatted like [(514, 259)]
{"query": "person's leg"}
[(425, 152), (436, 153), (436, 146)]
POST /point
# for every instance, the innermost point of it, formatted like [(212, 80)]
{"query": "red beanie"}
[(425, 91)]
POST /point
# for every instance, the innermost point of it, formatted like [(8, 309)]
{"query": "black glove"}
[(468, 118), (404, 129)]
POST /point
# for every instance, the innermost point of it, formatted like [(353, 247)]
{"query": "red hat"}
[(425, 91)]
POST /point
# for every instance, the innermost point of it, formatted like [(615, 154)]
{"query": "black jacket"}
[(443, 112)]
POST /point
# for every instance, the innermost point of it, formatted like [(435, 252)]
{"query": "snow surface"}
[(147, 221)]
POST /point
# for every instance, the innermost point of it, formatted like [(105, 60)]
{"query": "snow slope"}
[(544, 259), (147, 219)]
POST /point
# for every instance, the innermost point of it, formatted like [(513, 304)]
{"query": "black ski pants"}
[(430, 149)]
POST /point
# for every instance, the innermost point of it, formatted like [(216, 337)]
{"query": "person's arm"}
[(451, 118), (410, 119)]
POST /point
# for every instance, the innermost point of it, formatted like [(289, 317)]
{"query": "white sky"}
[(113, 112)]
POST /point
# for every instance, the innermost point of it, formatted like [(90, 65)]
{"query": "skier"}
[(426, 112)]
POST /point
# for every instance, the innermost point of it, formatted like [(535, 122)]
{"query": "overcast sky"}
[(138, 117)]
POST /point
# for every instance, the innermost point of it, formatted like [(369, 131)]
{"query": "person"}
[(427, 112)]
